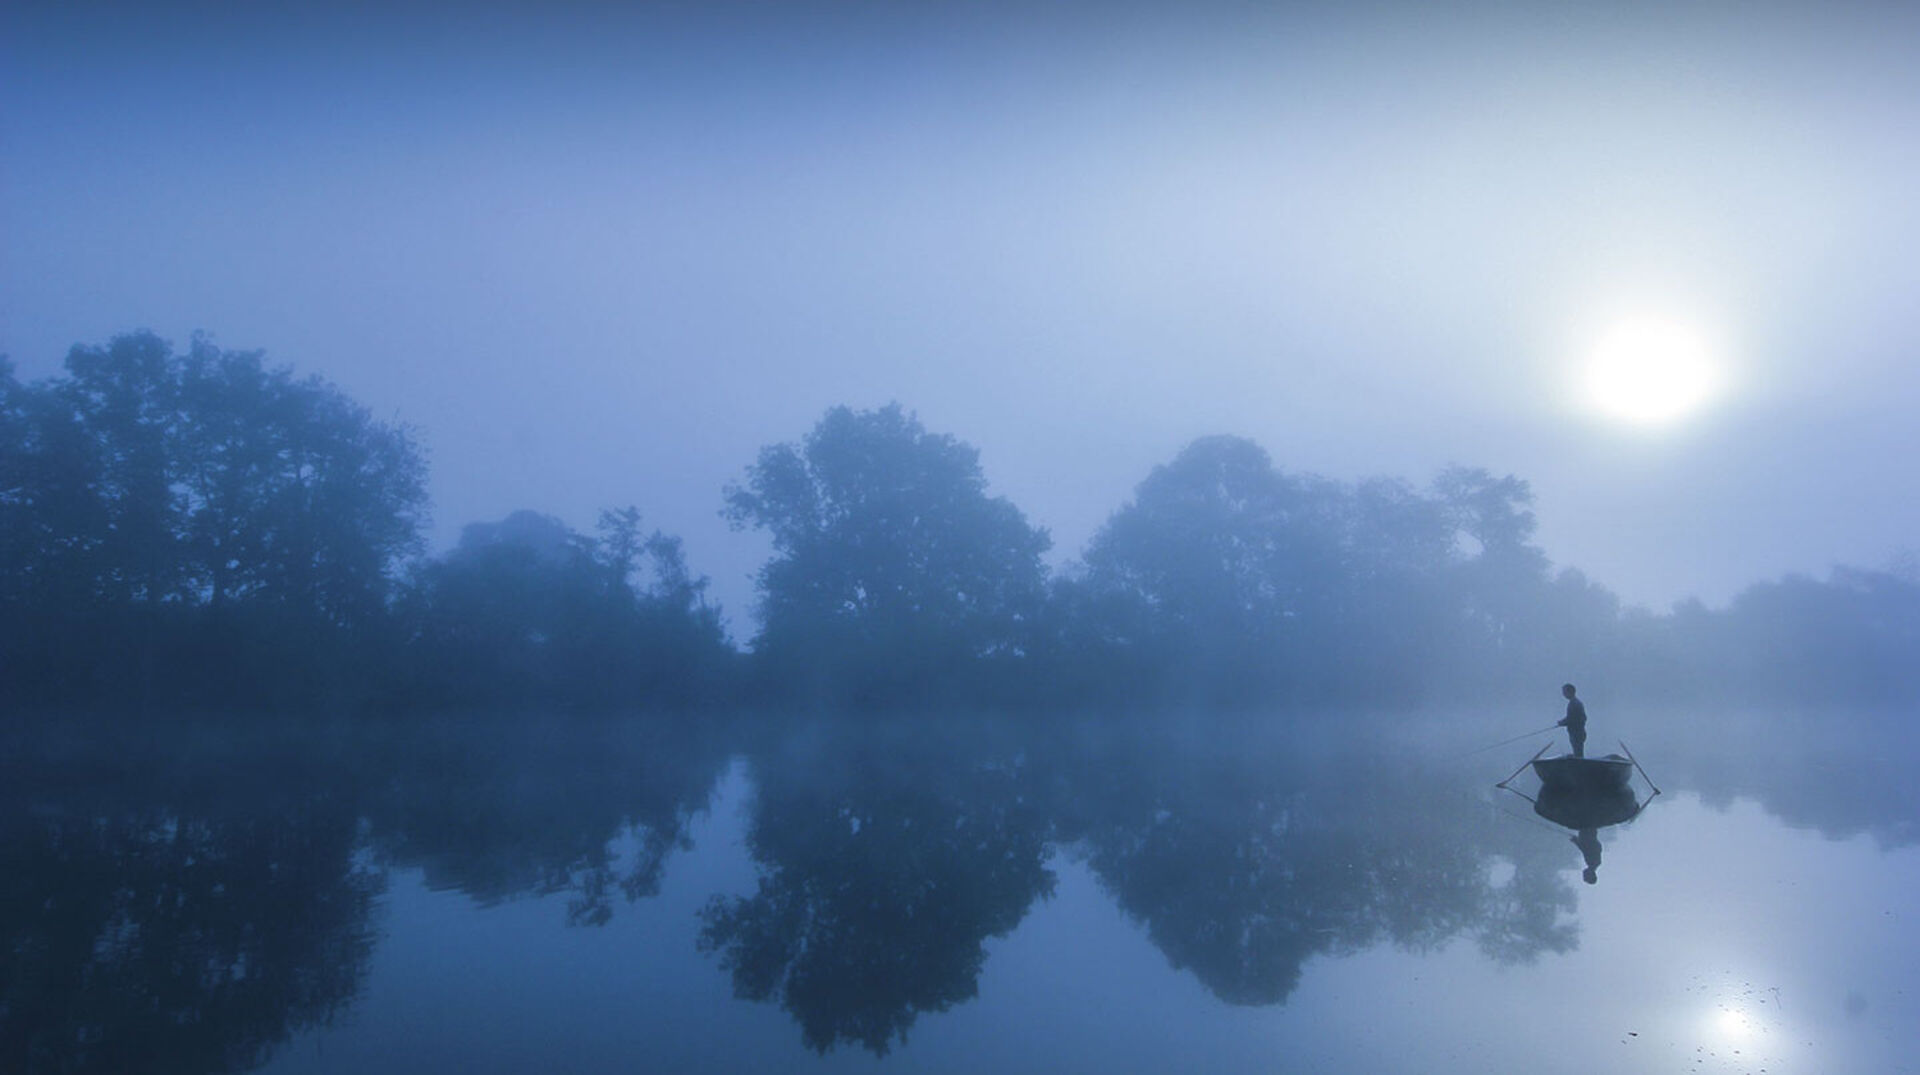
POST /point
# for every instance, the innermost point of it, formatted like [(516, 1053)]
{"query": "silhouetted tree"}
[(293, 494), (894, 573), (125, 398), (206, 530), (1239, 583), (166, 517), (1233, 558), (525, 610)]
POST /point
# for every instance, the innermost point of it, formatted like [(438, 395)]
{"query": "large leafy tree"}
[(125, 399), (50, 511), (292, 492), (893, 568), (145, 488), (1232, 564), (207, 477), (1499, 580), (1227, 579)]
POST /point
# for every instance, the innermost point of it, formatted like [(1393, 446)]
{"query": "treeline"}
[(203, 530)]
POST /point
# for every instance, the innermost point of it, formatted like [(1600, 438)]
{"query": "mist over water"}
[(945, 893), (957, 539)]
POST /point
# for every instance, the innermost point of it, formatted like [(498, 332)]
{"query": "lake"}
[(1315, 892)]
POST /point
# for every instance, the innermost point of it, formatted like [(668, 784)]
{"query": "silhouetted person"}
[(1575, 721), (1588, 841)]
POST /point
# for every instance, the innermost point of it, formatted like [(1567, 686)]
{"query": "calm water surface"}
[(1326, 893)]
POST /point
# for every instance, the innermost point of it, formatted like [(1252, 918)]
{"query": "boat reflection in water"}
[(1586, 795)]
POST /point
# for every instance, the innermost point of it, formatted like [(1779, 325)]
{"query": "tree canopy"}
[(204, 529), (525, 611), (147, 488), (892, 565)]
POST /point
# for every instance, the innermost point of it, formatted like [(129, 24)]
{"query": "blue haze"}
[(600, 258)]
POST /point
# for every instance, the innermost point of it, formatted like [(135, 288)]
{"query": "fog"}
[(958, 537), (602, 259)]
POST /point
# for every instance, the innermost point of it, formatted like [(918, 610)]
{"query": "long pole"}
[(1529, 761), (1636, 765)]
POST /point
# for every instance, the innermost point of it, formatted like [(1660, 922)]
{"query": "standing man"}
[(1575, 722)]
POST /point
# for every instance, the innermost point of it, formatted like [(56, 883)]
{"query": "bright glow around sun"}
[(1651, 371), (1734, 1024)]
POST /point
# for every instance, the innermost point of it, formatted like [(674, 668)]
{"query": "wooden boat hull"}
[(1567, 774)]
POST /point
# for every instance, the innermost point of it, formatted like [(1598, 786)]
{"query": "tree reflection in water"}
[(1248, 857), (188, 900), (886, 860), (185, 921), (503, 810)]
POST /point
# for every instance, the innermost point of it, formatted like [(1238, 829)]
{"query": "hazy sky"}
[(601, 259)]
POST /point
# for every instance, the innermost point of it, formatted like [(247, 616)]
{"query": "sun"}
[(1651, 371)]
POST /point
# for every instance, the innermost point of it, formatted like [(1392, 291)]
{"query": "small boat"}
[(1585, 795), (1567, 774)]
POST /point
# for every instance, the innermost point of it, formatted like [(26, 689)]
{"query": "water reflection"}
[(175, 921), (1246, 860), (499, 812), (886, 860), (189, 903), (1585, 795), (186, 904), (1840, 773)]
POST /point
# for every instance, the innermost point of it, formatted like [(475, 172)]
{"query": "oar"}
[(1529, 761), (1636, 765)]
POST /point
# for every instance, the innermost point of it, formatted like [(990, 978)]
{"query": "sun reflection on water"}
[(1741, 1029), (1735, 1024)]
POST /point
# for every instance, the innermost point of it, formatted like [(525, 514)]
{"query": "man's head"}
[(1566, 691)]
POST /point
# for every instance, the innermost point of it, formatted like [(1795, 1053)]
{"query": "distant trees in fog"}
[(202, 529), (1228, 581), (525, 612), (1852, 638), (894, 574)]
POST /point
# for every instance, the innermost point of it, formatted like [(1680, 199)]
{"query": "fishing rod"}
[(1504, 742)]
